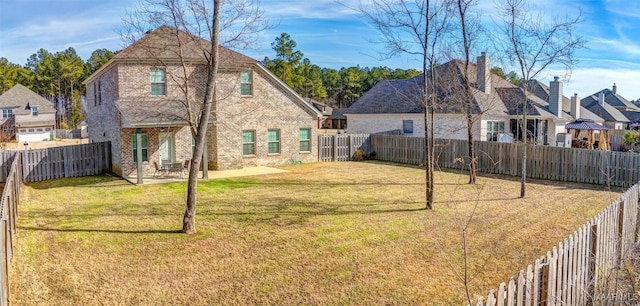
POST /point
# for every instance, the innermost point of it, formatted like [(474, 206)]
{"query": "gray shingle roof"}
[(154, 111), (164, 43), (616, 100), (541, 91), (19, 97), (606, 111), (404, 96), (584, 124)]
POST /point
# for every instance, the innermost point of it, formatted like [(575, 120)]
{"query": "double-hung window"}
[(273, 141), (305, 140), (246, 83), (493, 129), (143, 146), (7, 113), (248, 142), (34, 110), (158, 82)]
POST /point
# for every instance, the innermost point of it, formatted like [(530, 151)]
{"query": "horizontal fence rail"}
[(543, 162), (577, 271)]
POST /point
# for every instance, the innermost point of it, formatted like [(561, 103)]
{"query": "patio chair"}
[(176, 168), (160, 171)]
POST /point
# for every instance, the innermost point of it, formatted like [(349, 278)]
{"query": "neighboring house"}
[(496, 107), (256, 119), (542, 91), (617, 111), (332, 118), (27, 114)]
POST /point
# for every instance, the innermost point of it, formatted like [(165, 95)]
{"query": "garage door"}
[(33, 134)]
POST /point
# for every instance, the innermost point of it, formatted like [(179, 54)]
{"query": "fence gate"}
[(342, 147)]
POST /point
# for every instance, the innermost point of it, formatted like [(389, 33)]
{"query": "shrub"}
[(359, 155), (631, 138)]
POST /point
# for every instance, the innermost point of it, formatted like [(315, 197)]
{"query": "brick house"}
[(27, 115), (256, 119)]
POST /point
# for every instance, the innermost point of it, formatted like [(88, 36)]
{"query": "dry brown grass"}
[(324, 233)]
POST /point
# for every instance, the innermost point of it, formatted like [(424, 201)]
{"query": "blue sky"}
[(331, 35)]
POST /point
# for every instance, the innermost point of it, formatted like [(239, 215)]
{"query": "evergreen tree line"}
[(57, 77), (336, 88)]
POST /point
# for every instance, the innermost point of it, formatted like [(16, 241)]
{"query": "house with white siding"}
[(27, 115), (496, 107)]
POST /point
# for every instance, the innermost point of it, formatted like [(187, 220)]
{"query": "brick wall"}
[(182, 148), (103, 119), (270, 107)]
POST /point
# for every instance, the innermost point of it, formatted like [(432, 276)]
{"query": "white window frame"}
[(495, 127), (157, 82), (246, 83)]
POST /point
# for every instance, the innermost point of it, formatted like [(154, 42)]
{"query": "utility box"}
[(563, 140)]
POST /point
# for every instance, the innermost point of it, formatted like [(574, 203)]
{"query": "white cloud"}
[(587, 81)]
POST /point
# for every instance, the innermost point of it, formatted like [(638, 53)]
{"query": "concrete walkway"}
[(261, 170)]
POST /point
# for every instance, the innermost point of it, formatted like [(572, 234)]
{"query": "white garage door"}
[(33, 134)]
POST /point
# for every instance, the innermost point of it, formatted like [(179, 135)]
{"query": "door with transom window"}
[(166, 148)]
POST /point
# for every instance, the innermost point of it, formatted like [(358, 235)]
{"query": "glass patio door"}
[(166, 148)]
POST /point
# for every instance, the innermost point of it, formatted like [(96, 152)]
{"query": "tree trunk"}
[(189, 219)]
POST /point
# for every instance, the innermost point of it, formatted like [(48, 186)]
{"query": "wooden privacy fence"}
[(543, 162), (578, 270), (66, 161), (341, 147), (9, 213)]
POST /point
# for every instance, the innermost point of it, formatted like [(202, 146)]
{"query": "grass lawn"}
[(323, 233)]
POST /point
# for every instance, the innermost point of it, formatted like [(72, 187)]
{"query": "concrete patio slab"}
[(250, 171)]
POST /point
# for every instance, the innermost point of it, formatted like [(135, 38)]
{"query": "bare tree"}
[(464, 14), (414, 27), (534, 43), (228, 23)]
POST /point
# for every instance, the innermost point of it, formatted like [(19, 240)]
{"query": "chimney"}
[(484, 75), (555, 97), (601, 98), (575, 106), (615, 88)]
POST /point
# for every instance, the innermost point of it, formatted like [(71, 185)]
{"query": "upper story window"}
[(34, 110), (99, 92), (7, 113), (246, 83), (158, 82)]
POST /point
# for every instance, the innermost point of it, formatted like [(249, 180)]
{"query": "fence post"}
[(335, 148), (619, 237), (592, 273)]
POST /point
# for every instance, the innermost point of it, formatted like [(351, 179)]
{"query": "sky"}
[(332, 35)]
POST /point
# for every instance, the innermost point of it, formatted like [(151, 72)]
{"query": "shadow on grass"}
[(44, 229)]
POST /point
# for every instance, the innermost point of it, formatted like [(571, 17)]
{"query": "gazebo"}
[(582, 130)]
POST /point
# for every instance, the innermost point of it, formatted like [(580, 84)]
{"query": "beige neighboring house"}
[(257, 119), (27, 115), (496, 107)]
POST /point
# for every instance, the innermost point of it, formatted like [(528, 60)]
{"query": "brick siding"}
[(270, 107)]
